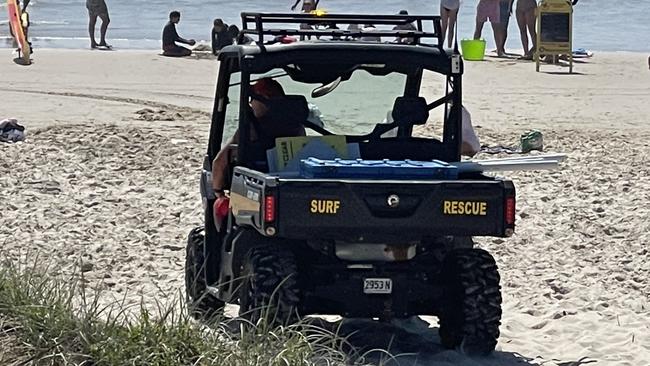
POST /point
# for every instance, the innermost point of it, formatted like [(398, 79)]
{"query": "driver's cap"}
[(267, 88)]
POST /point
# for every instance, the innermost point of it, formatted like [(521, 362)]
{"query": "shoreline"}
[(207, 42)]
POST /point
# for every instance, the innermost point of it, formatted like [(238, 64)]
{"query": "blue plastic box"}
[(377, 169)]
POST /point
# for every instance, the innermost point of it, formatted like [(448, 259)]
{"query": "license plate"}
[(377, 286)]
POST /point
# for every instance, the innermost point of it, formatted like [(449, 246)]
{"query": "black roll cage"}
[(256, 59), (254, 24)]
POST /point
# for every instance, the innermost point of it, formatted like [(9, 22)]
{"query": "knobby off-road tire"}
[(201, 304), (270, 288), (471, 311)]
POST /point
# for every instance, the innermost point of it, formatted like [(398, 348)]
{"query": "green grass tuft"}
[(49, 319)]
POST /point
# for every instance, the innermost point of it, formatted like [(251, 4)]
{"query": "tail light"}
[(269, 209), (510, 211)]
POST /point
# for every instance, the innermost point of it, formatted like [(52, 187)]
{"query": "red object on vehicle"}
[(221, 207), (510, 210), (220, 211), (269, 209), (287, 39)]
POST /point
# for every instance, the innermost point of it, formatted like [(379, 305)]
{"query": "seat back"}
[(284, 117), (410, 111)]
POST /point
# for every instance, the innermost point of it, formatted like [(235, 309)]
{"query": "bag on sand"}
[(471, 144), (11, 131), (532, 140)]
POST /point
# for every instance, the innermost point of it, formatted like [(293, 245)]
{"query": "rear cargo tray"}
[(377, 169)]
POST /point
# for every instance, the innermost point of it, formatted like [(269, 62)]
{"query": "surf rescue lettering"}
[(325, 207), (469, 208)]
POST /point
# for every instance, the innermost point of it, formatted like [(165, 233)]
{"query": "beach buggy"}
[(358, 216)]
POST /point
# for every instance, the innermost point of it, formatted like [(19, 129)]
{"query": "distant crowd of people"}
[(497, 12)]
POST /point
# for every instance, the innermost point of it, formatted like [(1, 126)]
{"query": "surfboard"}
[(15, 22)]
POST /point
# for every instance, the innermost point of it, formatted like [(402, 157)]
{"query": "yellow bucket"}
[(473, 49)]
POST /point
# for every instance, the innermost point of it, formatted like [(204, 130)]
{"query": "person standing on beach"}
[(307, 5), (487, 10), (25, 24), (505, 10), (170, 37), (97, 8), (449, 13), (526, 20)]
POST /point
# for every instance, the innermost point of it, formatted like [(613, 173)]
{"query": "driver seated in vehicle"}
[(267, 124)]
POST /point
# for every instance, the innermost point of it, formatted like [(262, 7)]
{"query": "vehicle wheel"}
[(201, 304), (471, 307), (270, 288)]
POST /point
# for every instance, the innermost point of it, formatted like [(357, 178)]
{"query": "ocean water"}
[(137, 24)]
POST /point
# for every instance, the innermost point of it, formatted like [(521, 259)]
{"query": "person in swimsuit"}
[(505, 10), (97, 8), (487, 10), (449, 14), (526, 20), (307, 5), (170, 37)]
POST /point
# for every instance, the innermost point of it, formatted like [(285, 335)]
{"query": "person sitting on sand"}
[(404, 27), (307, 5), (220, 36), (487, 10), (263, 129), (97, 8), (170, 38), (233, 31)]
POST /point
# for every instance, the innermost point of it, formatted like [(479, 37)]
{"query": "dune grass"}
[(51, 320)]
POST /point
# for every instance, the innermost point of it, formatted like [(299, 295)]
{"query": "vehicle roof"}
[(427, 56)]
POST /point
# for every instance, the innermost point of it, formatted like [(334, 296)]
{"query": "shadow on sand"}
[(22, 62), (412, 342)]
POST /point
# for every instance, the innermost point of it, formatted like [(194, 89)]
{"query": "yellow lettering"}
[(475, 208), (324, 206), (469, 208)]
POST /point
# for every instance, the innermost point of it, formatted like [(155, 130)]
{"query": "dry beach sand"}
[(108, 179)]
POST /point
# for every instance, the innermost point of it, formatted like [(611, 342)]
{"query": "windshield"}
[(353, 107)]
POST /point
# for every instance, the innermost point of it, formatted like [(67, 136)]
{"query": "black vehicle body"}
[(341, 232)]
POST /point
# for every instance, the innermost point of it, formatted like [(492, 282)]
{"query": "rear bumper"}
[(415, 291)]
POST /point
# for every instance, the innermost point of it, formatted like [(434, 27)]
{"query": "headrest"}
[(285, 116), (290, 108), (410, 111)]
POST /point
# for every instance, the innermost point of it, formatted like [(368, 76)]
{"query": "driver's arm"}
[(220, 164)]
